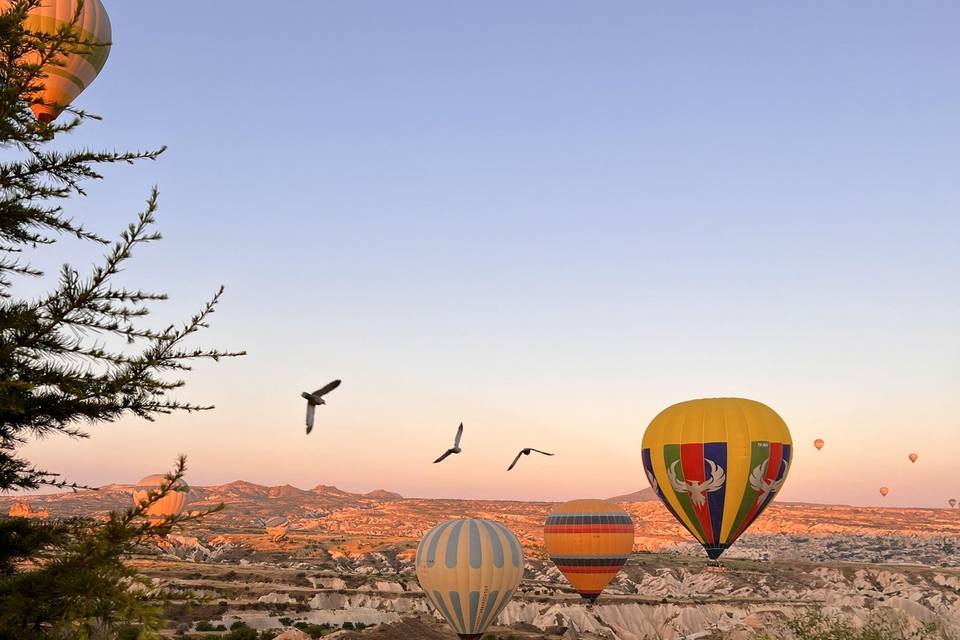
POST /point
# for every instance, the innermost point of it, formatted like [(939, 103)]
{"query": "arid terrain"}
[(348, 560)]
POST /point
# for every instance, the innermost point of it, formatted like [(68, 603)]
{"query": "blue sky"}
[(548, 220)]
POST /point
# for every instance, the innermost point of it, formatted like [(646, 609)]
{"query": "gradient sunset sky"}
[(547, 220)]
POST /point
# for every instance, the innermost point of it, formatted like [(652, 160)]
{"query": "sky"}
[(546, 220)]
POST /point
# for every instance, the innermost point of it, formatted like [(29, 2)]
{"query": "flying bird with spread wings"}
[(456, 445), (316, 398), (525, 452)]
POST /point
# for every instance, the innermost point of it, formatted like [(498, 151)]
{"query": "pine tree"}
[(79, 355)]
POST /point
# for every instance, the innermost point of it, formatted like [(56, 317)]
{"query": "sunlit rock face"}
[(276, 598), (23, 509)]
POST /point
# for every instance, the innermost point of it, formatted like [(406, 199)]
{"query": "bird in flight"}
[(456, 445), (315, 398), (525, 452)]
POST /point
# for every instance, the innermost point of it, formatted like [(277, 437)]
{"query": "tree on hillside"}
[(78, 355)]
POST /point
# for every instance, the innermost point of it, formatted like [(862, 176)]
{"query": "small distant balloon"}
[(913, 457), (65, 81), (952, 502), (884, 491), (171, 504), (818, 443)]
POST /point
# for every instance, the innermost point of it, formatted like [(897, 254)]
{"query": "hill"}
[(328, 510), (644, 495)]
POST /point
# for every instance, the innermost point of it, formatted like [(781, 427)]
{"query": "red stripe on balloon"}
[(694, 469), (597, 570), (588, 528)]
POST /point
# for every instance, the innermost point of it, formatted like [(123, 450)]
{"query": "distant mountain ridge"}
[(383, 494), (245, 499), (328, 510), (245, 487), (643, 495)]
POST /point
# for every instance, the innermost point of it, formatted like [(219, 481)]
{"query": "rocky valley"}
[(345, 567)]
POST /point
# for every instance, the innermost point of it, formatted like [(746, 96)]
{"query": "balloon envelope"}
[(818, 443), (952, 502), (589, 541), (884, 491), (716, 464), (64, 82), (469, 569), (913, 457), (169, 505)]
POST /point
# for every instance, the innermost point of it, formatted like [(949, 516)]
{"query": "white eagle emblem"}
[(760, 484), (698, 490)]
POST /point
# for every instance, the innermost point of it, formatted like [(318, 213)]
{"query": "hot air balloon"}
[(65, 81), (169, 505), (469, 569), (884, 491), (952, 502), (277, 528), (716, 464), (913, 457), (589, 541), (818, 443)]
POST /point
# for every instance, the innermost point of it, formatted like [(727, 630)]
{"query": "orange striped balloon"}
[(589, 541), (167, 506), (75, 71)]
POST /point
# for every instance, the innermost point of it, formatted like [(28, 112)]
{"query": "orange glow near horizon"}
[(360, 445)]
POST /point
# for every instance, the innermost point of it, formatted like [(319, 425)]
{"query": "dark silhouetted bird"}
[(456, 445), (526, 452), (315, 398)]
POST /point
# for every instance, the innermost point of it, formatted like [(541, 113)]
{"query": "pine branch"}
[(60, 372)]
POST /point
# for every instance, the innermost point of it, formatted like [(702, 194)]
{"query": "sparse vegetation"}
[(314, 630), (885, 625)]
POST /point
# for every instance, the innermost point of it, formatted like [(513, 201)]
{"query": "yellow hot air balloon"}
[(589, 541), (716, 464), (65, 81), (913, 457), (884, 491), (469, 570), (169, 505), (818, 443)]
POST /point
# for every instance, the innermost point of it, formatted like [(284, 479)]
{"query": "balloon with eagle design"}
[(952, 502), (716, 464)]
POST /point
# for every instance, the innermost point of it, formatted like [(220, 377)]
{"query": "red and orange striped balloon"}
[(74, 71), (589, 541)]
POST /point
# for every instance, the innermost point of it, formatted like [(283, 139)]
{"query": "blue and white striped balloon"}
[(469, 569)]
